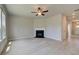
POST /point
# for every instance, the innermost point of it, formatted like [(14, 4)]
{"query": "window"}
[(2, 25)]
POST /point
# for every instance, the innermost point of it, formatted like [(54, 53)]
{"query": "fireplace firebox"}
[(39, 33)]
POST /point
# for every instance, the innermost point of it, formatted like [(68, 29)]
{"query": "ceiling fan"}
[(40, 11)]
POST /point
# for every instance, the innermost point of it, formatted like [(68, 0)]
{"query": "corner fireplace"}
[(39, 33)]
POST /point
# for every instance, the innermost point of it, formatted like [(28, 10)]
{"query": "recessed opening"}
[(39, 33)]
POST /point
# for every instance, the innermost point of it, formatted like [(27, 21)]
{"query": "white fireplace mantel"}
[(39, 28)]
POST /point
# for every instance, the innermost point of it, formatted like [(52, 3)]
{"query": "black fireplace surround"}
[(39, 33)]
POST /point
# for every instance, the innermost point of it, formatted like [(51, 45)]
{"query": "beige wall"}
[(39, 23), (64, 27), (54, 27), (20, 27)]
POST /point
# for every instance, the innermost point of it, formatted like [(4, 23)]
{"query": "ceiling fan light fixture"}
[(39, 13)]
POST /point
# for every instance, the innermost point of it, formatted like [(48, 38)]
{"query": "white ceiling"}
[(26, 9)]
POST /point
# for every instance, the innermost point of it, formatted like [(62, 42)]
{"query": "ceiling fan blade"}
[(43, 14), (45, 11), (36, 14)]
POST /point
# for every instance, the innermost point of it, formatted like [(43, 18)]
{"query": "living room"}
[(30, 29)]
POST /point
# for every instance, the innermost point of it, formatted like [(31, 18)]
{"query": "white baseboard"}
[(52, 38), (18, 38)]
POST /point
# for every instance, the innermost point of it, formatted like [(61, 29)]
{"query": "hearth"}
[(39, 33)]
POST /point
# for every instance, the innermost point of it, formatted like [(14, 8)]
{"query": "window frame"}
[(1, 23), (2, 11)]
